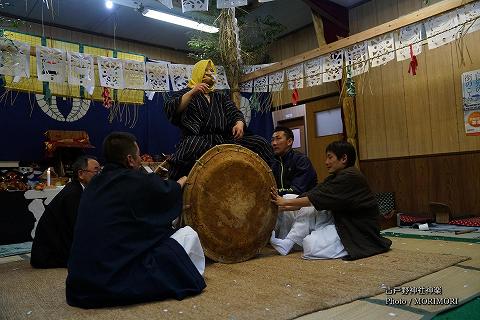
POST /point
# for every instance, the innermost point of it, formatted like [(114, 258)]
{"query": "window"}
[(328, 122)]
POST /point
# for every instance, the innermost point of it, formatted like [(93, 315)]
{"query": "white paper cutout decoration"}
[(110, 71), (247, 86), (194, 5), (356, 57), (313, 70), (157, 76), (223, 4), (295, 77), (469, 17), (179, 75), (441, 29), (81, 70), (14, 59), (406, 36), (381, 49), (51, 64), (261, 84), (275, 81), (221, 82), (167, 3), (134, 74), (332, 66)]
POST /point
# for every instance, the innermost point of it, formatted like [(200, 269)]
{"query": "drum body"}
[(227, 201)]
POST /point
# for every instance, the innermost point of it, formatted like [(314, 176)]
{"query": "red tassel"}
[(107, 100), (413, 62), (294, 97)]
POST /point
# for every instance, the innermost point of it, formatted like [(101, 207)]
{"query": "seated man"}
[(207, 118), (124, 249), (54, 233), (294, 174), (349, 229)]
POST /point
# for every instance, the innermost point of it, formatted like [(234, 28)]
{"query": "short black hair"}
[(81, 163), (118, 145), (340, 148), (288, 132)]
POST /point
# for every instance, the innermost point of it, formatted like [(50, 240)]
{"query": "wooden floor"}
[(461, 281)]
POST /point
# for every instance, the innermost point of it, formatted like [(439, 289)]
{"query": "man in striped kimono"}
[(207, 118)]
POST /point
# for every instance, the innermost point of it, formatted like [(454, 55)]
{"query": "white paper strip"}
[(51, 64), (248, 85), (441, 29), (313, 70), (411, 34), (275, 81), (157, 76), (134, 74), (295, 77), (381, 49), (223, 4), (332, 66), (356, 57), (261, 84), (110, 71), (194, 5), (179, 75), (167, 3), (221, 82), (14, 58), (469, 17), (81, 70)]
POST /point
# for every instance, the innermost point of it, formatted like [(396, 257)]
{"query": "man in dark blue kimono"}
[(54, 233), (207, 118), (294, 174), (124, 248)]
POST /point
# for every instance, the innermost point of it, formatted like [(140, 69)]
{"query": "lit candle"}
[(48, 176)]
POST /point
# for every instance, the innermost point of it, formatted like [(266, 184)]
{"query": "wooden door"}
[(316, 144)]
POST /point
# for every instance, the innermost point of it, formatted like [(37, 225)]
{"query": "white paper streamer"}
[(295, 77), (261, 84), (81, 70), (179, 75), (469, 17), (134, 74), (221, 82), (51, 64), (313, 72), (223, 4), (110, 71), (442, 29), (275, 81), (194, 5), (332, 66), (411, 34), (157, 76), (356, 57), (248, 85), (381, 49), (14, 59)]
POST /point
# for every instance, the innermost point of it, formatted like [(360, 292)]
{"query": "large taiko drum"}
[(227, 201)]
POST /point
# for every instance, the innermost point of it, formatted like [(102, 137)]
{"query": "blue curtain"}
[(23, 124)]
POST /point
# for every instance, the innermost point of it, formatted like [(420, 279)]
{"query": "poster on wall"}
[(471, 102)]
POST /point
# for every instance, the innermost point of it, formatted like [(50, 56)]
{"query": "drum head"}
[(227, 199)]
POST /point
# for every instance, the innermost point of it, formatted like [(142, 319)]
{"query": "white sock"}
[(283, 246)]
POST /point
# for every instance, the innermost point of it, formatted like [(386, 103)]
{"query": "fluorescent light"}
[(109, 4), (179, 21)]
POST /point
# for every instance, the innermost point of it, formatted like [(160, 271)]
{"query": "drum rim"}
[(187, 195)]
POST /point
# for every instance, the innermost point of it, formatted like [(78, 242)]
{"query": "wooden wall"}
[(152, 52), (403, 115), (291, 45), (452, 179)]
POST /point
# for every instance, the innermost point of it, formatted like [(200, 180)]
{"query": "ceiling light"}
[(109, 4), (179, 21)]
